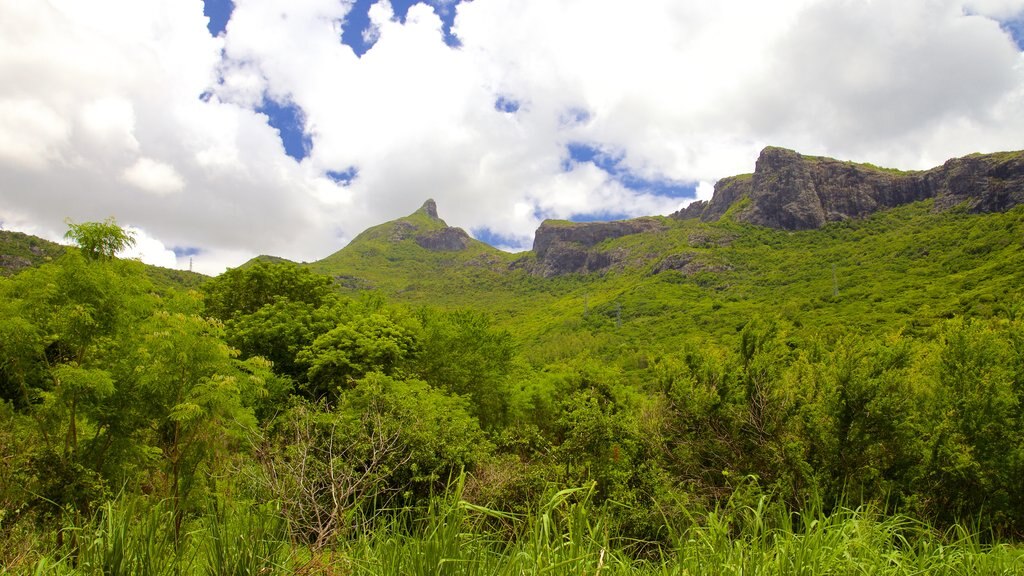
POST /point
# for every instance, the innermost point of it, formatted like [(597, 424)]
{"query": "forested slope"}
[(671, 395)]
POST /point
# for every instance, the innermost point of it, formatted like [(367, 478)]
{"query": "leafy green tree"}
[(279, 331), (64, 324), (100, 240), (196, 398), (976, 459), (371, 343), (21, 348), (387, 443), (246, 289), (434, 435), (465, 354)]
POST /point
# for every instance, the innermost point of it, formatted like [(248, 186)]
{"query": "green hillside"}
[(901, 269), (19, 251), (388, 258)]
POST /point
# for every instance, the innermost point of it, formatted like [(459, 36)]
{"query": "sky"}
[(220, 130)]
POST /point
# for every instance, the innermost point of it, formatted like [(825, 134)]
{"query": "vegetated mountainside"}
[(19, 251), (410, 255), (893, 250)]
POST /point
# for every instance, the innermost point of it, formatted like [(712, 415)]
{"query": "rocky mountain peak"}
[(429, 208), (795, 192), (439, 236)]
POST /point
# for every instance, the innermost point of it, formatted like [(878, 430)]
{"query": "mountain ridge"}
[(791, 191)]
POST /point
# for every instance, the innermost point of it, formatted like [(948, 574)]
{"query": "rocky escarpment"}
[(561, 247), (444, 240), (794, 192)]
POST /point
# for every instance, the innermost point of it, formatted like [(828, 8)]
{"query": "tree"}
[(463, 353), (373, 343), (244, 290), (99, 240), (196, 396)]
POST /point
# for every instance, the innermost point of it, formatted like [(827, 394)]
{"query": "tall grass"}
[(567, 534), (134, 537)]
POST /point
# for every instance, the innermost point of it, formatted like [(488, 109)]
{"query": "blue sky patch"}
[(288, 119), (219, 12), (602, 216), (506, 104), (345, 177), (487, 236), (358, 21), (581, 153), (1015, 28), (575, 116), (183, 251)]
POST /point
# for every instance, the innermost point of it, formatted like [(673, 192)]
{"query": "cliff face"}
[(566, 247), (795, 192)]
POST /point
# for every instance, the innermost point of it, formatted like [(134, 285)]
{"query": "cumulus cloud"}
[(131, 108), (149, 250), (153, 176)]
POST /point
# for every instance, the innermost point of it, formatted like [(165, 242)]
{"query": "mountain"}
[(814, 241), (19, 251), (794, 192), (412, 252)]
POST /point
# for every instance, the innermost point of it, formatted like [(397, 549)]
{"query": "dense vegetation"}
[(841, 400)]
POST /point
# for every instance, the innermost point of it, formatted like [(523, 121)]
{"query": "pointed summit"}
[(429, 208)]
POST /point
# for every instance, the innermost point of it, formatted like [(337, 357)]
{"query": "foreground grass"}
[(567, 535)]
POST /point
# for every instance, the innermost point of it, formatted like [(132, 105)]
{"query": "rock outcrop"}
[(429, 208), (565, 247), (795, 192), (444, 240)]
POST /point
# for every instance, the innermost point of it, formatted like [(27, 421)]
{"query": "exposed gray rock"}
[(567, 247), (444, 240), (429, 208), (795, 192)]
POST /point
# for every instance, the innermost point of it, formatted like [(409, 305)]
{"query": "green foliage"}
[(434, 435), (387, 443), (245, 290), (977, 449), (100, 240), (464, 353), (371, 343), (279, 331), (732, 399)]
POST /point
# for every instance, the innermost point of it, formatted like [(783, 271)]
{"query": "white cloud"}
[(705, 190), (31, 133), (110, 122), (996, 8), (149, 250), (154, 177), (100, 108)]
